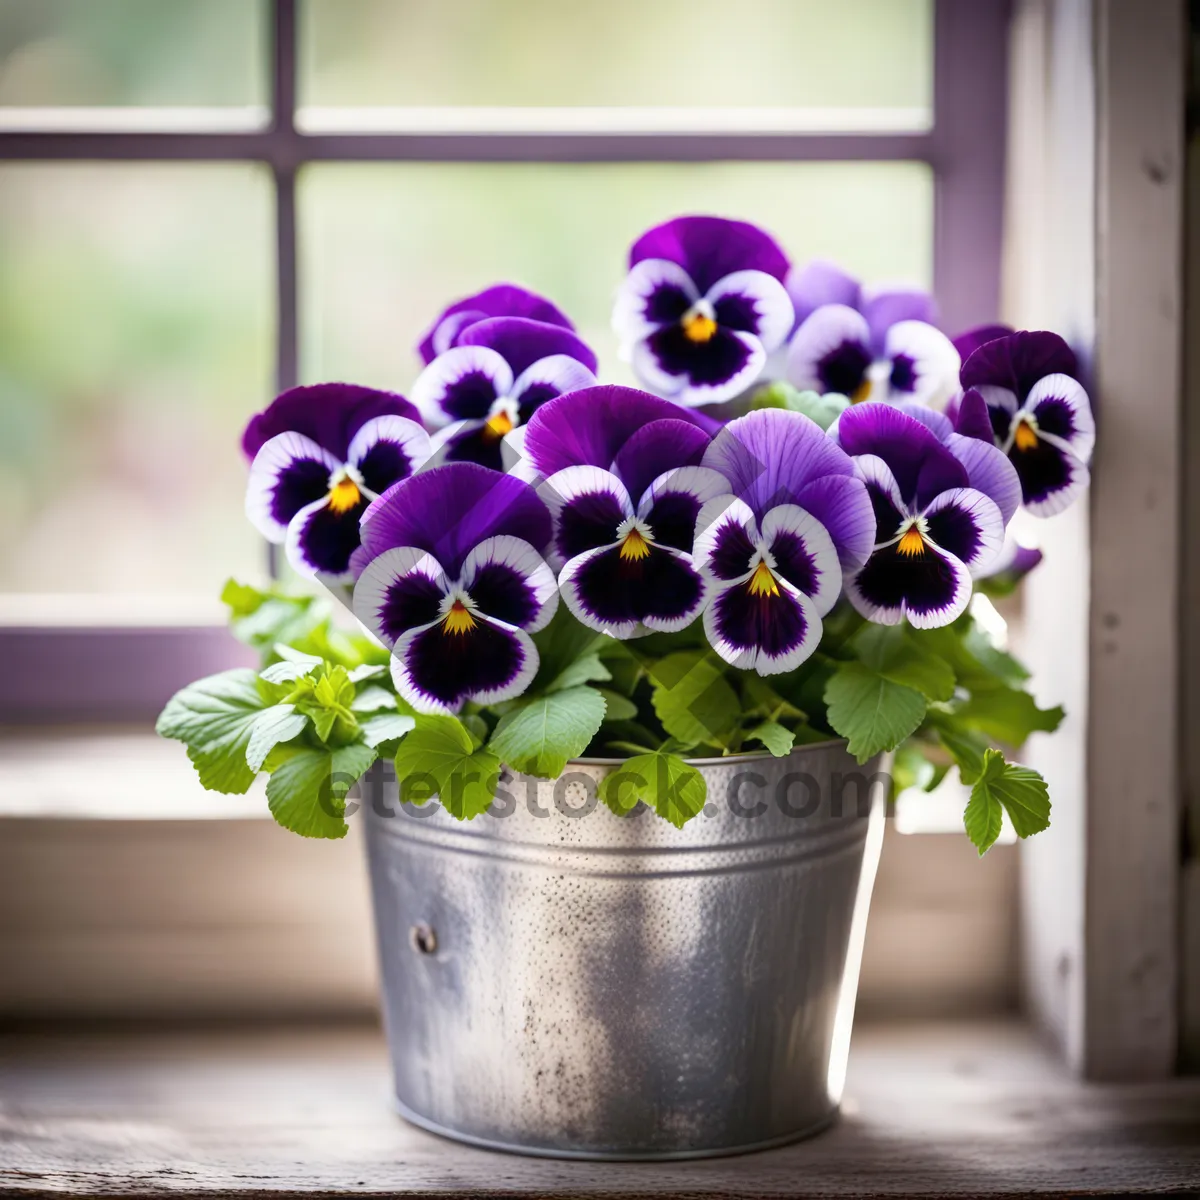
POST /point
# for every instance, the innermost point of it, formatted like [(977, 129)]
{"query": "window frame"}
[(128, 672)]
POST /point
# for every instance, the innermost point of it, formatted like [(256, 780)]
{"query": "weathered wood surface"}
[(932, 1109)]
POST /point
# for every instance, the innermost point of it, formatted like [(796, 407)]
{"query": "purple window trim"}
[(116, 674), (84, 674)]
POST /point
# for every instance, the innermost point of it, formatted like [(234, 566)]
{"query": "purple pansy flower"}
[(869, 356), (624, 486), (702, 307), (936, 526), (821, 282), (967, 342), (971, 443), (1013, 563), (1039, 414), (320, 455), (489, 384), (774, 545), (499, 300), (450, 578)]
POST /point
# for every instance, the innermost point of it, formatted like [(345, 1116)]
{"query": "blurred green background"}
[(137, 299)]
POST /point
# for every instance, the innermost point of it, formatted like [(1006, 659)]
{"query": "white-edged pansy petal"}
[(753, 302), (673, 502), (289, 472), (967, 524), (464, 655), (399, 590), (587, 506), (770, 629), (656, 292), (726, 539), (798, 548), (831, 352), (387, 449), (508, 580), (461, 385), (1060, 408), (922, 363), (548, 377)]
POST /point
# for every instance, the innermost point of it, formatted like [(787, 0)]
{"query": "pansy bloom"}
[(491, 383), (624, 486), (319, 455), (967, 342), (1039, 413), (872, 357), (702, 307), (450, 578), (775, 543), (499, 300), (821, 282), (938, 517)]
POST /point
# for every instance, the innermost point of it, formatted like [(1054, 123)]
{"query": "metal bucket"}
[(562, 981)]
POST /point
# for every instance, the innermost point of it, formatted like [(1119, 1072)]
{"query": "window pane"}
[(862, 62), (136, 320), (384, 247), (152, 53)]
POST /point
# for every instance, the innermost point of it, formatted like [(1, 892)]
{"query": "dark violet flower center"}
[(844, 368), (904, 373)]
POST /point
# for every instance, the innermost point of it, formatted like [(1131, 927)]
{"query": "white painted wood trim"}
[(1095, 248), (1131, 949)]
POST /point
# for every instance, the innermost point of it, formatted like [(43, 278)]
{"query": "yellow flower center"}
[(344, 495), (634, 547), (862, 392), (498, 426), (1024, 437), (699, 328), (458, 619), (912, 543), (762, 582)]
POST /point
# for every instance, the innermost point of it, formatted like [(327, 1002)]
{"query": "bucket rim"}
[(720, 760)]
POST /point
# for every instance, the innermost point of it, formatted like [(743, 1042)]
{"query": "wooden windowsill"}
[(968, 1108)]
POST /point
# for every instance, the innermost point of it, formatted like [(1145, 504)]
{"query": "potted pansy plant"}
[(622, 676)]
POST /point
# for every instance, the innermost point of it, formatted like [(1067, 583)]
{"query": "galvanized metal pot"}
[(562, 981)]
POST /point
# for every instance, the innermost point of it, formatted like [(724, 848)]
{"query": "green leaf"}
[(675, 790), (1007, 714), (240, 598), (263, 618), (901, 655), (213, 717), (560, 645), (588, 669), (965, 746), (386, 727), (540, 737), (693, 699), (762, 700), (373, 699), (775, 737), (824, 409), (617, 707), (307, 789), (1020, 791), (983, 817), (871, 712), (910, 767), (440, 752), (279, 723), (366, 671), (995, 661), (289, 669), (476, 726)]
